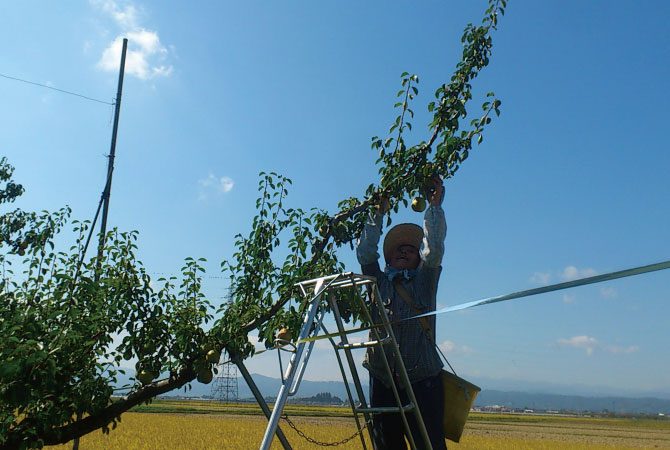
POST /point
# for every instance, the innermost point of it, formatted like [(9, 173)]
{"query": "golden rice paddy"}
[(204, 426)]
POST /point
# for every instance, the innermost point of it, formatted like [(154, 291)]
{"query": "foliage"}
[(12, 223), (405, 171), (60, 312)]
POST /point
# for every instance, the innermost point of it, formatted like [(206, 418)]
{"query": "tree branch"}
[(84, 426)]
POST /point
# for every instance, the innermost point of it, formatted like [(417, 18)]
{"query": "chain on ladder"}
[(323, 444)]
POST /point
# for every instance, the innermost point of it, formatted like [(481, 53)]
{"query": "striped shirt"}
[(418, 353)]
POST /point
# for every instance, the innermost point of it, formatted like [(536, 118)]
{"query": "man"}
[(413, 264)]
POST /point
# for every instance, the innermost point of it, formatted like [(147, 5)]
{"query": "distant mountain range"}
[(511, 399), (573, 403), (503, 393)]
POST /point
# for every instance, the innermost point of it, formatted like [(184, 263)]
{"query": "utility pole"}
[(110, 171), (112, 152)]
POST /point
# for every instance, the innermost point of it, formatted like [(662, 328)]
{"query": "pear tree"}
[(60, 311)]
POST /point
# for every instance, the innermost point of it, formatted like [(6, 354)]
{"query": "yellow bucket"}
[(459, 395)]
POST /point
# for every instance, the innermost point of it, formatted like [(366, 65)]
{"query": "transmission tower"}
[(224, 387)]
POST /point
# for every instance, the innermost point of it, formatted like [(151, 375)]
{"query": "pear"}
[(145, 376), (204, 348), (419, 204), (284, 334), (205, 376), (213, 356)]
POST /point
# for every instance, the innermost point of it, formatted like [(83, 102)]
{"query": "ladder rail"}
[(347, 388), (259, 398), (394, 388), (400, 367), (273, 423), (305, 359), (350, 359), (313, 321)]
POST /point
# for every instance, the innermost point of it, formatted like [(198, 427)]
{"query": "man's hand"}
[(383, 205), (436, 193)]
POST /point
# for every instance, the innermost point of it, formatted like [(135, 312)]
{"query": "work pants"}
[(388, 431)]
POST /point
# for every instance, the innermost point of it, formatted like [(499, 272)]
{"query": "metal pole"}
[(350, 361), (259, 397), (112, 152), (291, 369), (110, 170)]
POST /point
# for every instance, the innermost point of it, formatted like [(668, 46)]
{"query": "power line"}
[(56, 89), (175, 274)]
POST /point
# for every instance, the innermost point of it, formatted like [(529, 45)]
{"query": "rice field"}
[(207, 426)]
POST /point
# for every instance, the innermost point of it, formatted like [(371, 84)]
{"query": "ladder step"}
[(385, 409), (383, 341)]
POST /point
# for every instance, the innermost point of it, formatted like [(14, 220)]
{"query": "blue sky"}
[(570, 180)]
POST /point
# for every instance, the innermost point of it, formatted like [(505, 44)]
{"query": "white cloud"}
[(591, 344), (569, 273), (146, 55), (617, 349), (583, 342), (540, 278), (450, 347), (226, 184), (568, 298), (126, 16), (608, 292), (572, 273), (220, 185)]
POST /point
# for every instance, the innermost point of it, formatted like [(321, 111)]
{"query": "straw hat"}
[(402, 234)]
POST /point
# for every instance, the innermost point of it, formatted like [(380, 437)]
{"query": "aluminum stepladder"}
[(317, 290)]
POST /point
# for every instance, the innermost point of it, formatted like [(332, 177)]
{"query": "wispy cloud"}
[(451, 347), (568, 298), (212, 183), (572, 273), (608, 292), (146, 56), (583, 342), (618, 349), (568, 273), (590, 345), (541, 278)]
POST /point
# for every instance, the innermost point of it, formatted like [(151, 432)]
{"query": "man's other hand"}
[(436, 194)]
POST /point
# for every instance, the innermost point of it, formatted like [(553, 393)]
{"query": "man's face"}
[(405, 257)]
